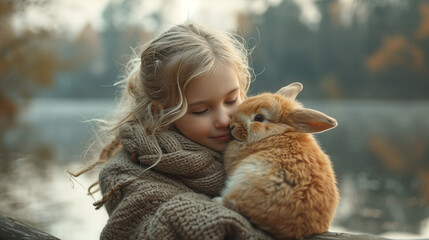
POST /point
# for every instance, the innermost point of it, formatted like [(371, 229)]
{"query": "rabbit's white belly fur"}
[(248, 168)]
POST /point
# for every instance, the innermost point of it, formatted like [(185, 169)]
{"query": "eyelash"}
[(200, 112), (227, 102), (232, 102)]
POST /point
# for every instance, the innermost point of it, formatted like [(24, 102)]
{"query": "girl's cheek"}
[(202, 123), (236, 105)]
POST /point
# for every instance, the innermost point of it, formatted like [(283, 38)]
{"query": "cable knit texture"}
[(172, 200)]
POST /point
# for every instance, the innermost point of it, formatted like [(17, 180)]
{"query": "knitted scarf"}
[(198, 167)]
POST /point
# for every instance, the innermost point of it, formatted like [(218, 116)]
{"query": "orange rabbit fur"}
[(278, 176)]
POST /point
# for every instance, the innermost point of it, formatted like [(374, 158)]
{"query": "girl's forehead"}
[(222, 81)]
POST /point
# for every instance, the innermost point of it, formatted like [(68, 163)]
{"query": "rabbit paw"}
[(218, 200)]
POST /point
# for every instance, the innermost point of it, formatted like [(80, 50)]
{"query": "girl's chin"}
[(219, 146)]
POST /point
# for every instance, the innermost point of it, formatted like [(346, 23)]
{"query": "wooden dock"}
[(12, 229)]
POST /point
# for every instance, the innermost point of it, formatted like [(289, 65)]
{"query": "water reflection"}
[(43, 196), (48, 139), (380, 153)]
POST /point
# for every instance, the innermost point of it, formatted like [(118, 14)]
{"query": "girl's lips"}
[(223, 138)]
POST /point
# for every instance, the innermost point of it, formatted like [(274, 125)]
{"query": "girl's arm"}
[(159, 207), (195, 216)]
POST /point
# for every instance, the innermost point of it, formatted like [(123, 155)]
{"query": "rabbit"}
[(277, 174)]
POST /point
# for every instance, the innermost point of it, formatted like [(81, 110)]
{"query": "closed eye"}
[(200, 112), (231, 102)]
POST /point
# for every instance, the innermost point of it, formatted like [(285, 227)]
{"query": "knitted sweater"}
[(172, 200)]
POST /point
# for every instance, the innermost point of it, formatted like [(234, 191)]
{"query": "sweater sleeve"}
[(195, 216), (156, 208)]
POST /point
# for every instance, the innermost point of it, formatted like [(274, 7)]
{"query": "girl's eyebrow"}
[(204, 101)]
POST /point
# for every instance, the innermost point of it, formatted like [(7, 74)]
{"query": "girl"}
[(164, 162)]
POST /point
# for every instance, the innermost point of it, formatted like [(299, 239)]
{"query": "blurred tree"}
[(120, 38), (28, 62), (352, 52), (397, 54), (396, 51), (104, 54), (423, 30), (278, 58)]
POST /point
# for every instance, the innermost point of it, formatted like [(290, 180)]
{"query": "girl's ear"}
[(291, 90), (311, 121)]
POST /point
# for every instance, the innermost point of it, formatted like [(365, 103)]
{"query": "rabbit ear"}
[(311, 121), (291, 90)]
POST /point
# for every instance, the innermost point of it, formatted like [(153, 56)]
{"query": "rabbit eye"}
[(259, 118)]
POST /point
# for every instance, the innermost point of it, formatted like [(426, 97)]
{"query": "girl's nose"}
[(223, 118)]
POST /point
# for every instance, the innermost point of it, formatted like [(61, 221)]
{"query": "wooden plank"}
[(346, 236), (12, 229)]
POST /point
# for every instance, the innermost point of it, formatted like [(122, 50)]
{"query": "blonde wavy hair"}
[(154, 84)]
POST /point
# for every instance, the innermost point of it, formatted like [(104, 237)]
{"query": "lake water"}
[(380, 151)]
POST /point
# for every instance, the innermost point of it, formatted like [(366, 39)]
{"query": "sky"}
[(70, 16)]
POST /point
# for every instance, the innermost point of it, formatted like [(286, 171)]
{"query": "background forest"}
[(364, 62)]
